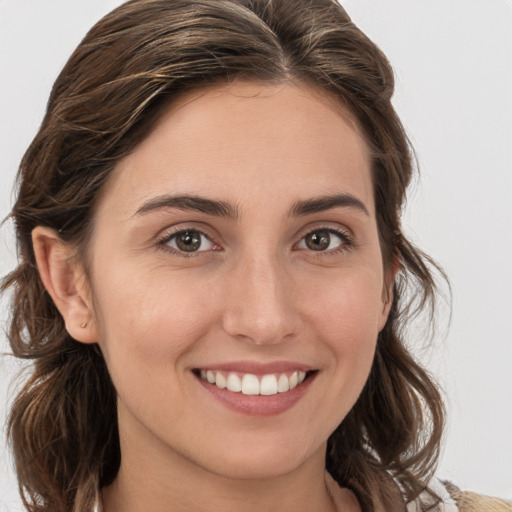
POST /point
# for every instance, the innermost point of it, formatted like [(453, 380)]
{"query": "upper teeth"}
[(249, 384)]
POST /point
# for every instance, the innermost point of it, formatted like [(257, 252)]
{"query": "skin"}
[(254, 292)]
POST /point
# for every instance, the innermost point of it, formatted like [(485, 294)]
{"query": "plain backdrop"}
[(453, 64)]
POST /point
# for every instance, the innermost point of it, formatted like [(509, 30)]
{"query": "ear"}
[(65, 281), (387, 292)]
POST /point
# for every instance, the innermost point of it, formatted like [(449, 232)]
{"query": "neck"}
[(183, 487), (161, 480), (158, 477)]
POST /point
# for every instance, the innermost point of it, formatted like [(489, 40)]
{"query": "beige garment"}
[(454, 499), (473, 502)]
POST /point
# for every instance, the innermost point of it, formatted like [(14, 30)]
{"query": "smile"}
[(250, 384)]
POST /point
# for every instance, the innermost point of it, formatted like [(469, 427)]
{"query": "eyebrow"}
[(323, 203), (224, 209), (190, 203)]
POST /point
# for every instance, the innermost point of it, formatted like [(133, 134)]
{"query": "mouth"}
[(256, 389), (252, 384)]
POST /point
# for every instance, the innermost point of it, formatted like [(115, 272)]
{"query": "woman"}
[(212, 271)]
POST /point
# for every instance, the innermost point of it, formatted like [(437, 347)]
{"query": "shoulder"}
[(472, 502)]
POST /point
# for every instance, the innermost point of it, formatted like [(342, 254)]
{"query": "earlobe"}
[(64, 280)]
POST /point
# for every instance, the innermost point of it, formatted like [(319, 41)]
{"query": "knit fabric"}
[(473, 502), (455, 500), (424, 501)]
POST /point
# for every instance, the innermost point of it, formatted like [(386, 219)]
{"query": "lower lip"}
[(258, 405)]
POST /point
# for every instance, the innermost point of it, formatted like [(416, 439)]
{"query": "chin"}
[(256, 468), (262, 459)]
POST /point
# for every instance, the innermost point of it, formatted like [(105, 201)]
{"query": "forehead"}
[(248, 141)]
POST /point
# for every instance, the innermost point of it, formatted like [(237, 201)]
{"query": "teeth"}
[(220, 381), (250, 384), (283, 384), (234, 383), (294, 380), (268, 385)]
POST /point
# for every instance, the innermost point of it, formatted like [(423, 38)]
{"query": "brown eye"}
[(324, 240), (190, 241), (318, 240)]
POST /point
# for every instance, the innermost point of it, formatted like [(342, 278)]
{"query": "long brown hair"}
[(132, 63)]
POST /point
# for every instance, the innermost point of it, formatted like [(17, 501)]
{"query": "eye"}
[(188, 241), (322, 240)]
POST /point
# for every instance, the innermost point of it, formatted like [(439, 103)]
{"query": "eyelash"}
[(347, 242), (164, 240)]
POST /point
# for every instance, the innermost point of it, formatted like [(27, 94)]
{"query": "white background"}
[(453, 61)]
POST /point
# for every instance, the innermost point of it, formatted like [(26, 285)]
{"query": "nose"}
[(259, 306)]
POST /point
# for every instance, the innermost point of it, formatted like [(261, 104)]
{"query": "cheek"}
[(346, 314), (148, 323), (147, 328), (352, 339), (348, 306)]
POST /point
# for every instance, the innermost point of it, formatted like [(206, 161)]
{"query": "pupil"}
[(189, 241), (318, 241)]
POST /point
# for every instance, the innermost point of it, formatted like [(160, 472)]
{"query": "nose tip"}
[(259, 308), (259, 329)]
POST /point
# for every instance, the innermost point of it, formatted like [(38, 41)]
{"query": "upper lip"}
[(257, 368)]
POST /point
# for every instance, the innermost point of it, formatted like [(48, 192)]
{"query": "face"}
[(237, 248)]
